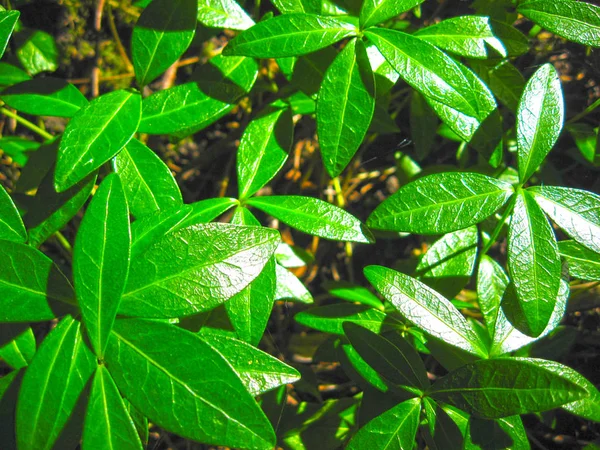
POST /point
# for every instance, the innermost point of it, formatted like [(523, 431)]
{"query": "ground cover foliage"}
[(303, 224)]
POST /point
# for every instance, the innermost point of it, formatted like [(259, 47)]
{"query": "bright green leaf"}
[(583, 263), (353, 293), (207, 210), (8, 20), (19, 352), (153, 227), (11, 224), (377, 11), (223, 14), (10, 75), (330, 318), (289, 287), (36, 51), (491, 285)]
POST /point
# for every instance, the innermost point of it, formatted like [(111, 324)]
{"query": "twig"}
[(26, 123)]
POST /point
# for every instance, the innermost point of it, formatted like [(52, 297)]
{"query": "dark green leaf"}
[(19, 352), (583, 263), (539, 119), (11, 224), (504, 80), (498, 434), (313, 216), (359, 371), (441, 203), (8, 20), (491, 284), (289, 287), (36, 51), (289, 35), (309, 70), (586, 139), (157, 376), (422, 121), (161, 35), (353, 293), (442, 431), (223, 14), (330, 318), (38, 165), (96, 134)]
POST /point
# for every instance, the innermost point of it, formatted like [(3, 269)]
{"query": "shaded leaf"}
[(11, 224), (583, 263), (330, 318)]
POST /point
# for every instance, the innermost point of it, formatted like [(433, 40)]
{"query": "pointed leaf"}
[(207, 210), (10, 75), (36, 51), (330, 318), (441, 203), (161, 35), (19, 352), (539, 119), (153, 227), (289, 287), (223, 14), (491, 284), (583, 263), (11, 224), (96, 134), (8, 20), (498, 434), (377, 11), (156, 377), (353, 293)]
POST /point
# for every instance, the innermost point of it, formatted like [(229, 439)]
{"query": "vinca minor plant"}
[(125, 309)]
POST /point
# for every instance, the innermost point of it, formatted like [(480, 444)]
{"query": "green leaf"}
[(196, 268), (52, 386), (30, 284), (499, 434), (503, 79), (207, 210), (433, 73), (427, 309), (153, 227), (441, 203), (108, 425), (289, 287), (586, 139), (36, 51), (395, 429), (19, 352), (11, 224), (442, 431), (243, 216), (504, 387), (101, 260), (157, 376), (575, 211), (353, 293), (161, 35), (422, 121), (8, 20), (330, 318), (345, 106), (289, 35), (313, 216), (297, 6), (148, 182), (187, 108), (534, 266), (10, 75), (258, 371), (398, 361), (576, 21), (583, 263), (290, 256), (377, 11), (491, 285), (263, 149), (223, 14), (539, 119), (50, 211), (249, 309), (38, 165), (45, 97), (96, 134), (18, 148)]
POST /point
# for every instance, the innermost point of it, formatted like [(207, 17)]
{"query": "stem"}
[(63, 241), (338, 192), (115, 34), (585, 112), (26, 123), (498, 228)]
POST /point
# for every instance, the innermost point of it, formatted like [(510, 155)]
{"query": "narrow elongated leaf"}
[(10, 75), (151, 228), (534, 266), (289, 35), (11, 224), (427, 309), (19, 352), (330, 318), (345, 106), (161, 35), (539, 119), (441, 203), (108, 425), (573, 20), (192, 377), (289, 287), (38, 165), (31, 284), (583, 263), (36, 50), (263, 150), (576, 211), (314, 216), (377, 11), (353, 293), (504, 387), (223, 14), (504, 80), (207, 210), (395, 429), (196, 268), (443, 431), (52, 385), (96, 134), (8, 20), (148, 182), (491, 284), (45, 97), (258, 371), (101, 260)]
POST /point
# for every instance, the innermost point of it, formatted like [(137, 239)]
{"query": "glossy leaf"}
[(345, 106), (491, 285), (38, 165), (330, 318), (8, 20), (11, 224), (161, 35), (576, 21), (395, 429), (289, 35), (353, 293), (289, 287), (36, 51), (504, 387), (290, 256), (101, 260), (96, 134), (313, 216), (196, 268), (32, 286), (148, 182), (223, 14), (44, 97), (207, 210), (263, 150), (576, 211), (359, 371), (19, 352), (427, 309), (52, 386), (107, 424), (583, 263), (153, 227), (539, 119), (156, 376), (297, 6), (534, 266), (377, 11), (441, 203), (258, 371)]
